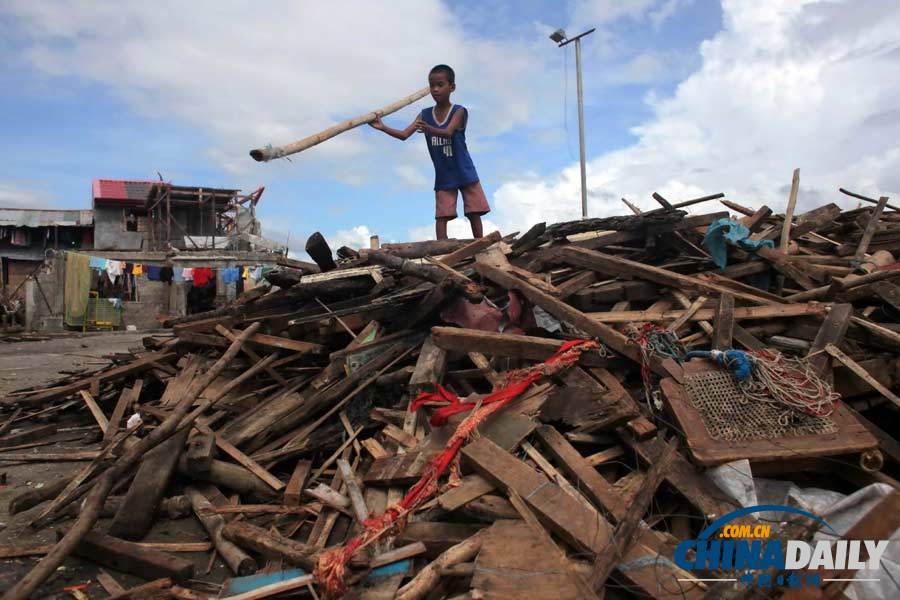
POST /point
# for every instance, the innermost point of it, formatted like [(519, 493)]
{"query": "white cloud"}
[(248, 77), (643, 68), (412, 177), (786, 83), (356, 238), (14, 195), (665, 11)]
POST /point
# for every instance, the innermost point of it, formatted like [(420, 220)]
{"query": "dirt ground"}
[(25, 364)]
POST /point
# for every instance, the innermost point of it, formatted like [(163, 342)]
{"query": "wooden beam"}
[(568, 518), (871, 227), (559, 309), (470, 249), (506, 344), (318, 250), (785, 240), (247, 462), (256, 358), (832, 331), (294, 490), (723, 323), (237, 560), (132, 558), (582, 473), (862, 373), (95, 410), (137, 514), (271, 544), (627, 530), (618, 266), (741, 313)]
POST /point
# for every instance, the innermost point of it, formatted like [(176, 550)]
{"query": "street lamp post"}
[(559, 36)]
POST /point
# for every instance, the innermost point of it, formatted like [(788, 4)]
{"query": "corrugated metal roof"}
[(121, 191), (29, 217)]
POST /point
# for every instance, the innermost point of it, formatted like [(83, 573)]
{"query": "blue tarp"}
[(725, 230)]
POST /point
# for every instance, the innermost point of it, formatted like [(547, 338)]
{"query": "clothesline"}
[(200, 276)]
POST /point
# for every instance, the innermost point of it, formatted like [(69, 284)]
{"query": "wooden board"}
[(472, 487), (131, 558), (402, 469), (436, 536), (582, 474), (585, 404), (574, 522), (515, 563), (506, 344), (559, 309), (137, 514)]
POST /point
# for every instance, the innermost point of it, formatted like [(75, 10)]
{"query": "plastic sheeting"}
[(721, 232), (839, 510)]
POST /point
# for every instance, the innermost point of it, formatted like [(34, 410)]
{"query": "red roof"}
[(121, 191)]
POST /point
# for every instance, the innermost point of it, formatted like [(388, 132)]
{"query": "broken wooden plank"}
[(617, 265), (250, 464), (430, 367), (294, 489), (136, 515), (132, 558), (583, 474), (871, 227), (470, 487), (627, 529), (723, 323), (101, 419), (564, 312), (832, 331), (354, 490), (568, 518), (237, 560), (270, 544), (437, 536), (506, 344), (862, 373)]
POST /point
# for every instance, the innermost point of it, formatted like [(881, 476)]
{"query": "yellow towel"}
[(78, 286)]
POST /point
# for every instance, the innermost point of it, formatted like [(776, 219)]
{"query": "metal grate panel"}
[(729, 416)]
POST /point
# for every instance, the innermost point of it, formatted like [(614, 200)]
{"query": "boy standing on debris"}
[(444, 126)]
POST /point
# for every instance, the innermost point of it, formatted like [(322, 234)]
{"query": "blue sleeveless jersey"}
[(453, 167)]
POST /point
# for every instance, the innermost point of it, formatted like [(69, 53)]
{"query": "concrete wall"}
[(52, 279), (155, 298), (109, 230)]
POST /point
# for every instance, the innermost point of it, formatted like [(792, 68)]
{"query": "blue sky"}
[(681, 96)]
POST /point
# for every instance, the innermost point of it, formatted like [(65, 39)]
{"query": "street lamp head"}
[(558, 36)]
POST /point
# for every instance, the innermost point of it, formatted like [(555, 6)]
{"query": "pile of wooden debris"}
[(574, 385)]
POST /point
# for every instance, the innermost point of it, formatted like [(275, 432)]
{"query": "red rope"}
[(329, 572)]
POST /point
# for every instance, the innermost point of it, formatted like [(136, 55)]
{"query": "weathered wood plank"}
[(567, 517)]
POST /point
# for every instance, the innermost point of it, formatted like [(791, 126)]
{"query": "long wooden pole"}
[(268, 153)]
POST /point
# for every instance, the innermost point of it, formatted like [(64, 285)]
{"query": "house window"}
[(133, 222)]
